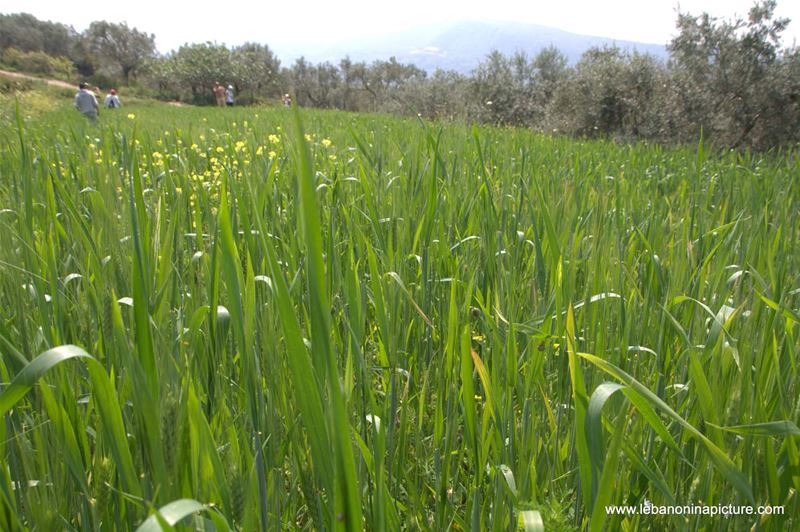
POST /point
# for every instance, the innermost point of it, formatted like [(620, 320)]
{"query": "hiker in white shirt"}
[(112, 100)]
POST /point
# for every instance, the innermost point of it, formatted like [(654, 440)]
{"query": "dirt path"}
[(53, 82), (64, 84)]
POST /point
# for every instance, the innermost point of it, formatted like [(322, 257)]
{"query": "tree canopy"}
[(731, 79)]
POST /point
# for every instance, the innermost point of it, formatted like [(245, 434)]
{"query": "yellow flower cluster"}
[(95, 154)]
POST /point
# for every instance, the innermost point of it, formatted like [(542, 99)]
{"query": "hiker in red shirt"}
[(219, 94)]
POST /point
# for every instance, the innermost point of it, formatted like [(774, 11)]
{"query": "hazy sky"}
[(288, 22)]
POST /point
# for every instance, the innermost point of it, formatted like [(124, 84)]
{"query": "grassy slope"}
[(438, 282)]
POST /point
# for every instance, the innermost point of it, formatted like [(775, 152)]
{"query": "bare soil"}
[(53, 82)]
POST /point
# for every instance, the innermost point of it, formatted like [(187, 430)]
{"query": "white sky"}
[(319, 21)]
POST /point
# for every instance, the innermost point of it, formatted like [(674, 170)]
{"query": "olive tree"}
[(731, 78)]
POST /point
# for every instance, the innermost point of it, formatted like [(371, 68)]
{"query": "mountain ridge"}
[(459, 46)]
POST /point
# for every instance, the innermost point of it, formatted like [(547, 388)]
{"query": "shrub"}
[(38, 63)]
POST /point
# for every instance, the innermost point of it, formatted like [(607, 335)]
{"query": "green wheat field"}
[(264, 319)]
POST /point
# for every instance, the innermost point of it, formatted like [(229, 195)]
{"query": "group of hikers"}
[(86, 101), (224, 96)]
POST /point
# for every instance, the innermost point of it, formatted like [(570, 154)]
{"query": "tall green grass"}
[(254, 319)]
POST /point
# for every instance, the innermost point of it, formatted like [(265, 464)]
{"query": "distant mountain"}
[(459, 46)]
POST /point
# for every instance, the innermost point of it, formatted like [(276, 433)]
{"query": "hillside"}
[(459, 46)]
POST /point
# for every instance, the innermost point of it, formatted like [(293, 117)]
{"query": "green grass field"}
[(373, 323)]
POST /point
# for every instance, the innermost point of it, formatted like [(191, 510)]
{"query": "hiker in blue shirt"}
[(85, 102)]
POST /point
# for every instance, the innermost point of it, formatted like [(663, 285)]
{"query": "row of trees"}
[(108, 51), (189, 73), (731, 79)]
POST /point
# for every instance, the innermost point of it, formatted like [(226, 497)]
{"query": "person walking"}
[(219, 94), (86, 102), (229, 96), (112, 100)]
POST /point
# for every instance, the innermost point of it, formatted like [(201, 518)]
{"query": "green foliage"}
[(190, 73), (14, 84), (611, 92), (38, 63), (35, 99), (363, 322), (127, 49), (29, 34), (732, 79)]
